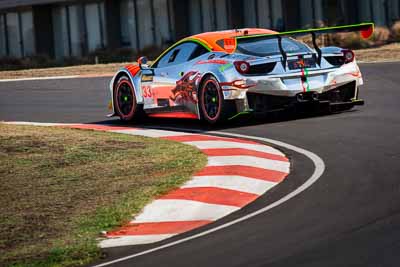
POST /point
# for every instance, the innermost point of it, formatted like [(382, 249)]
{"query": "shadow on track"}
[(242, 121)]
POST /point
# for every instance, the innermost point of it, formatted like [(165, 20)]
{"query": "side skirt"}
[(171, 112)]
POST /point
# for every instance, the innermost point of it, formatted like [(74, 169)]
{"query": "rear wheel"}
[(125, 103), (213, 107)]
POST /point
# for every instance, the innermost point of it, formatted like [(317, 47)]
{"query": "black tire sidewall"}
[(132, 114), (203, 112)]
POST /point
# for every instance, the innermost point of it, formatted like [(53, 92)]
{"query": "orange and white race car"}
[(215, 76)]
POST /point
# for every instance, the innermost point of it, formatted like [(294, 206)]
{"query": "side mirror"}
[(142, 61), (146, 70)]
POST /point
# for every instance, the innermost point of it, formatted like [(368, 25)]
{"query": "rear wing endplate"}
[(366, 30)]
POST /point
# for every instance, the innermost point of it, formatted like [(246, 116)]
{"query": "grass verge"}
[(60, 187)]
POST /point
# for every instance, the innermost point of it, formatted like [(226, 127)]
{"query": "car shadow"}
[(195, 125)]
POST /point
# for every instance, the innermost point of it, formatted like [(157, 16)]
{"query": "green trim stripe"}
[(307, 83), (342, 28), (224, 67), (239, 114), (178, 43)]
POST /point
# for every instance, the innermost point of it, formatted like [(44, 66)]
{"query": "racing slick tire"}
[(213, 107), (124, 97)]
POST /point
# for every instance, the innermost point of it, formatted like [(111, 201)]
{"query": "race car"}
[(216, 76)]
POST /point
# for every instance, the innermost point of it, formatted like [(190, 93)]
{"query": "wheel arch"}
[(200, 83), (133, 74), (217, 76), (227, 106)]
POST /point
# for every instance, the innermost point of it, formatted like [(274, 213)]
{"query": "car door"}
[(164, 93)]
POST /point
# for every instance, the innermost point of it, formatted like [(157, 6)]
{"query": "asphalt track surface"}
[(349, 217)]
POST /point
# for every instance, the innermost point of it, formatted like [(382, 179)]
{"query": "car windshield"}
[(268, 47)]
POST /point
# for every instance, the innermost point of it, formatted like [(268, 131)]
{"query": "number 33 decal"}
[(146, 91)]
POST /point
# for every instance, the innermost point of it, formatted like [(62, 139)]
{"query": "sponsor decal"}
[(212, 61), (301, 63), (240, 84), (304, 80), (147, 78), (147, 91), (185, 88), (304, 75), (230, 45)]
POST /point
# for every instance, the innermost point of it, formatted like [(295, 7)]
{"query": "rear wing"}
[(366, 30)]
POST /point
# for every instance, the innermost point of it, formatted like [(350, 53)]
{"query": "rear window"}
[(263, 47)]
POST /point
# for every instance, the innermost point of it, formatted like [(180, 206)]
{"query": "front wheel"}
[(213, 107), (124, 97)]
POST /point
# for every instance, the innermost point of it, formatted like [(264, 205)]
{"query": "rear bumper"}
[(290, 84), (321, 105), (354, 102), (342, 97)]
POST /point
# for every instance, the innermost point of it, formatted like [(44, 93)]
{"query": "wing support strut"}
[(284, 55), (316, 47)]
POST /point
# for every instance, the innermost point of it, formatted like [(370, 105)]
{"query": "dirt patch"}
[(82, 70), (60, 187), (389, 52)]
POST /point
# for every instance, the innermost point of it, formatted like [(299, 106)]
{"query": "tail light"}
[(348, 56), (242, 66)]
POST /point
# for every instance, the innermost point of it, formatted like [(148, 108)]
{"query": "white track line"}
[(250, 161), (318, 171), (36, 123), (40, 78), (377, 62), (238, 183), (148, 133), (182, 210), (132, 240), (233, 144)]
